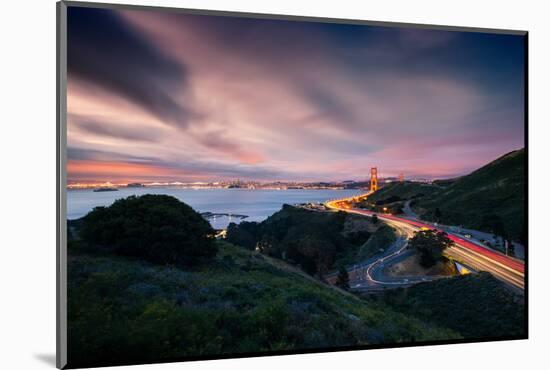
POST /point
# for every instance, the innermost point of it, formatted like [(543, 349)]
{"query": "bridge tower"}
[(373, 179), (401, 177)]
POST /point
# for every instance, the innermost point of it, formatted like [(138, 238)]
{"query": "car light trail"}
[(505, 268)]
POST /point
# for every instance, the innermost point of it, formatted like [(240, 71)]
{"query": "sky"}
[(160, 96)]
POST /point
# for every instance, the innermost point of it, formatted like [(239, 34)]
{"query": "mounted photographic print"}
[(236, 185)]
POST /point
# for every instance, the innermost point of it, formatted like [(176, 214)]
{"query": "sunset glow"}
[(156, 96)]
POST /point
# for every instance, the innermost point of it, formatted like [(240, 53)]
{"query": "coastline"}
[(228, 204)]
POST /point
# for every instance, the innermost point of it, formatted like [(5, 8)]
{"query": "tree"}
[(430, 245), (155, 228), (342, 281), (374, 219)]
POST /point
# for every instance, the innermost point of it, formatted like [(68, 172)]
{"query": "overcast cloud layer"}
[(174, 97)]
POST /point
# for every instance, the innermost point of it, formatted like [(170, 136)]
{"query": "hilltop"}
[(489, 199)]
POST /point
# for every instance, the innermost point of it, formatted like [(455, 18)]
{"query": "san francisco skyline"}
[(154, 96)]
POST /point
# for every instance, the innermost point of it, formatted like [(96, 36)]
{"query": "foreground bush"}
[(156, 228)]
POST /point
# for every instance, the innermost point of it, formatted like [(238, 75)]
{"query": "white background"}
[(27, 183)]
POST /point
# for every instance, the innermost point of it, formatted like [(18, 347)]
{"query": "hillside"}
[(476, 305), (127, 310), (488, 199), (377, 243), (318, 242), (398, 191)]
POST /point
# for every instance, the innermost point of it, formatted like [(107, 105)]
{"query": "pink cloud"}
[(298, 108)]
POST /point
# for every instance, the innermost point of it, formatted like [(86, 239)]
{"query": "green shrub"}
[(430, 245), (156, 228)]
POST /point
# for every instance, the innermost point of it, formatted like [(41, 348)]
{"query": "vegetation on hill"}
[(430, 245), (156, 228), (133, 300), (377, 243), (391, 197), (489, 199), (126, 310), (316, 241), (399, 191), (476, 305)]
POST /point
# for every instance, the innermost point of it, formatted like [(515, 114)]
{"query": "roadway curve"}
[(369, 275), (477, 257)]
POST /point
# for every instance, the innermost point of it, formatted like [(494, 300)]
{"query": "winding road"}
[(369, 275)]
